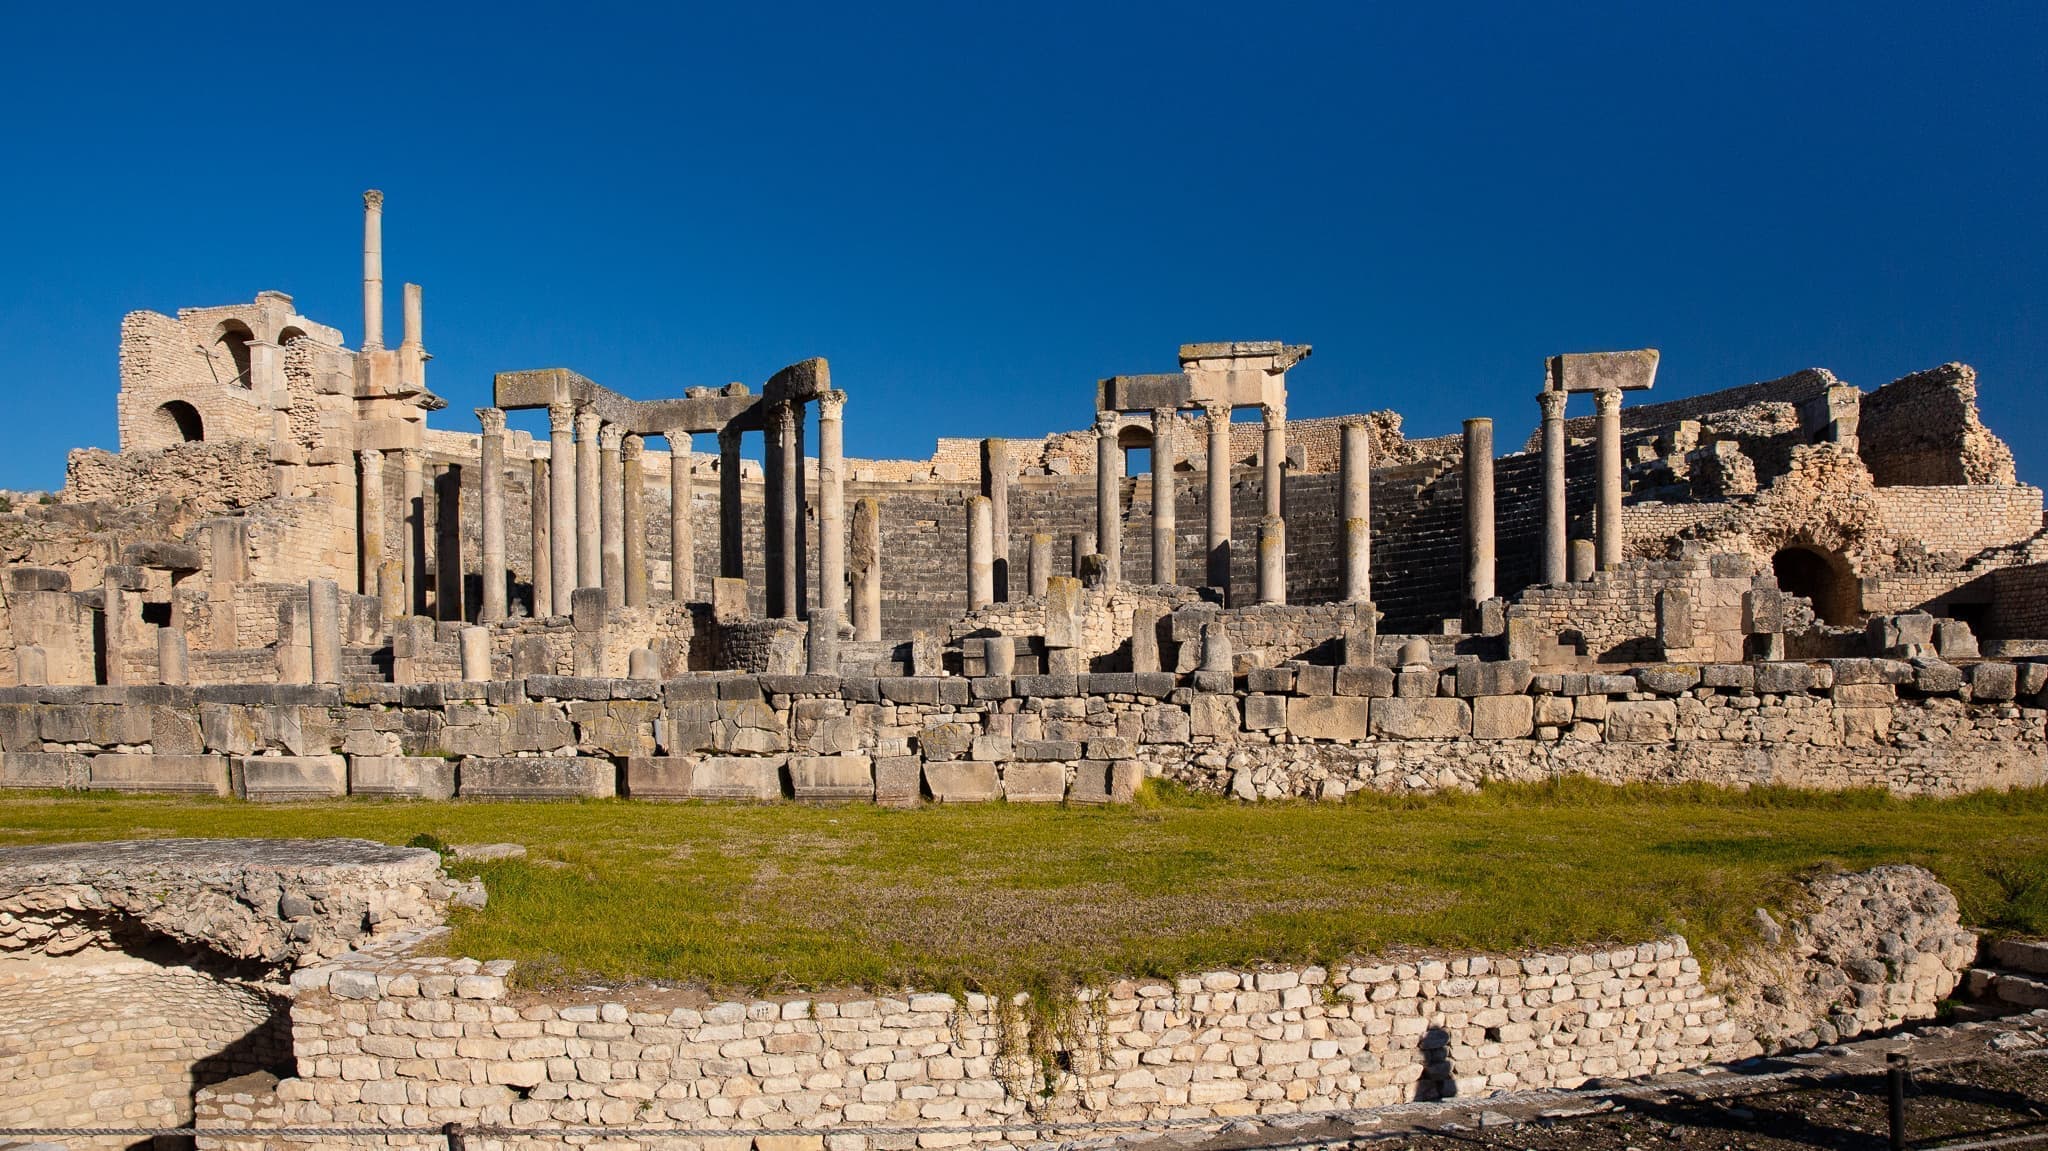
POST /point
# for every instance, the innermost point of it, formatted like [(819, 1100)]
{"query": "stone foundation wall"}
[(213, 477)]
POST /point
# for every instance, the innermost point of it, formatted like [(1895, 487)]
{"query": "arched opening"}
[(179, 420), (1823, 578), (1136, 443), (231, 349), (287, 335)]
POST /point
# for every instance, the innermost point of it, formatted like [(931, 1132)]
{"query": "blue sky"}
[(974, 211)]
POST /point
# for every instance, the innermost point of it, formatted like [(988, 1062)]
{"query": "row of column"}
[(399, 583), (1607, 531)]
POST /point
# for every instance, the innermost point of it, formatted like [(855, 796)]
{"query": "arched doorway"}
[(179, 420), (1136, 444), (234, 340), (1822, 577)]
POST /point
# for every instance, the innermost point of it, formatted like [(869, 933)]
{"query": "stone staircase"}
[(2011, 975)]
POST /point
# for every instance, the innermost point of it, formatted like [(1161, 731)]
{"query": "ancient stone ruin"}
[(287, 584)]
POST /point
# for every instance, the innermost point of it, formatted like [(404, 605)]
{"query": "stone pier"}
[(540, 501), (562, 504), (682, 534), (633, 517), (1479, 552), (1272, 560), (1038, 564), (998, 471), (1554, 514), (831, 605), (1108, 497), (1354, 513), (323, 598), (589, 502), (492, 481), (1163, 566), (371, 551), (1273, 529), (785, 506), (981, 560), (1607, 529), (867, 570), (611, 501), (1218, 538), (732, 562)]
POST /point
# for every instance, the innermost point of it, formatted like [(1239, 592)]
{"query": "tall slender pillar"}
[(538, 501), (682, 534), (1163, 495), (732, 562), (562, 502), (373, 270), (831, 603), (611, 500), (1554, 554), (413, 462), (1108, 498), (412, 354), (1607, 530), (782, 499), (981, 560), (1272, 528), (1038, 564), (450, 589), (492, 482), (371, 553), (867, 570), (633, 518), (799, 584), (1218, 499), (997, 470), (1478, 511), (589, 501), (1354, 516)]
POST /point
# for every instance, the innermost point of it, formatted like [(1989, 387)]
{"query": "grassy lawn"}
[(1000, 897)]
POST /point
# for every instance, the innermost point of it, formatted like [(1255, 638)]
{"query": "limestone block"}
[(1781, 678), (1865, 694), (1674, 618), (1993, 682), (1862, 671), (1106, 782), (1035, 782), (401, 777), (18, 728), (1271, 680), (43, 769), (1503, 716), (961, 781), (896, 780), (1740, 676), (1315, 680), (1166, 723), (1933, 677), (1370, 682), (1329, 717), (1553, 710), (1265, 712), (103, 724), (1411, 718), (286, 778), (1953, 639), (832, 777), (1493, 677), (1213, 715), (748, 727), (1417, 682), (942, 742), (175, 731), (550, 777), (1668, 678), (1065, 613), (704, 777), (179, 774), (1642, 721)]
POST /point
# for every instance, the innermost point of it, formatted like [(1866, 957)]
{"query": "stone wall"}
[(213, 477), (1959, 520), (1923, 429)]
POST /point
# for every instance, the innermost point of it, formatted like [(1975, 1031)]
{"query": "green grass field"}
[(781, 897)]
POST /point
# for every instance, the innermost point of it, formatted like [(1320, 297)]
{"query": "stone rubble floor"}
[(1971, 1082)]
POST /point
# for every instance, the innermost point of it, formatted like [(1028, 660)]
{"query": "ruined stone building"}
[(306, 583)]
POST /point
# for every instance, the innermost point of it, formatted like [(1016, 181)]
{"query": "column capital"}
[(373, 199), (784, 412), (1161, 415), (1218, 411), (633, 445), (1552, 404), (562, 419), (831, 404), (412, 458), (610, 437), (372, 457), (1607, 401), (1273, 413), (1106, 422), (587, 423), (492, 419), (1479, 422)]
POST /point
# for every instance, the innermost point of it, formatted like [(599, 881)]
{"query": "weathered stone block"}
[(104, 724), (1738, 676), (909, 689), (961, 781), (1034, 782), (824, 778), (897, 779), (1933, 677), (43, 769), (1780, 678), (1048, 750), (1213, 716), (401, 777), (286, 778), (1265, 712), (748, 727), (177, 774), (1668, 678), (1642, 721), (1271, 680), (1166, 723), (175, 731), (1503, 716), (1493, 677), (1993, 682), (1106, 782), (942, 742), (1865, 695), (1412, 718), (551, 777), (1314, 680), (1329, 717), (1370, 682)]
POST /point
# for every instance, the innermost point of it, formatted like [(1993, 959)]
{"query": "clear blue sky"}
[(975, 211)]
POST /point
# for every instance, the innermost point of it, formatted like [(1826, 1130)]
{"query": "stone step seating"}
[(2011, 976)]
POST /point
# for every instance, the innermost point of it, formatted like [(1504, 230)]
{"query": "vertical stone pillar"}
[(1163, 566), (1219, 497), (173, 658), (867, 570), (1554, 555), (633, 518), (589, 500), (562, 504), (1478, 511), (373, 270), (1108, 498), (783, 498), (800, 585), (412, 356), (981, 560), (774, 458), (492, 546), (370, 555), (682, 534), (1607, 529), (831, 605), (449, 589), (1354, 512), (539, 501), (1582, 564), (732, 563), (476, 654), (1038, 564), (324, 629), (611, 504), (1273, 527), (413, 460), (997, 470)]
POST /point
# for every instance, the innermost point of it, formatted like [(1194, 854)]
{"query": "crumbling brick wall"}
[(1923, 429)]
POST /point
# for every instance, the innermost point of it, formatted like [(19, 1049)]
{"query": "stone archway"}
[(1822, 577), (179, 421)]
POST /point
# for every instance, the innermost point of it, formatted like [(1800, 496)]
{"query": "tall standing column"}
[(1354, 461), (1273, 527), (732, 563), (1554, 522), (1478, 511), (589, 501), (682, 534), (831, 605), (493, 529), (413, 462), (1219, 497), (1163, 495), (539, 499), (783, 573), (562, 501), (981, 560), (1607, 405), (867, 570), (611, 493), (633, 518), (371, 553), (996, 473), (800, 587), (1108, 498), (373, 270)]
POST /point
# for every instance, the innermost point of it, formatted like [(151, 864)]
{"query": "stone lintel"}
[(1632, 371)]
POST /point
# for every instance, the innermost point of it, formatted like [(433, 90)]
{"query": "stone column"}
[(1478, 511), (732, 563), (476, 654), (996, 473), (589, 501), (1108, 498), (1038, 564), (539, 500), (1164, 570), (562, 504), (1607, 529), (800, 587), (1354, 514), (173, 657), (373, 270), (867, 570), (831, 605), (324, 629), (413, 462), (1553, 486), (1219, 497), (611, 499), (785, 498), (981, 560), (493, 511), (371, 553), (1273, 528), (682, 534), (633, 518)]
